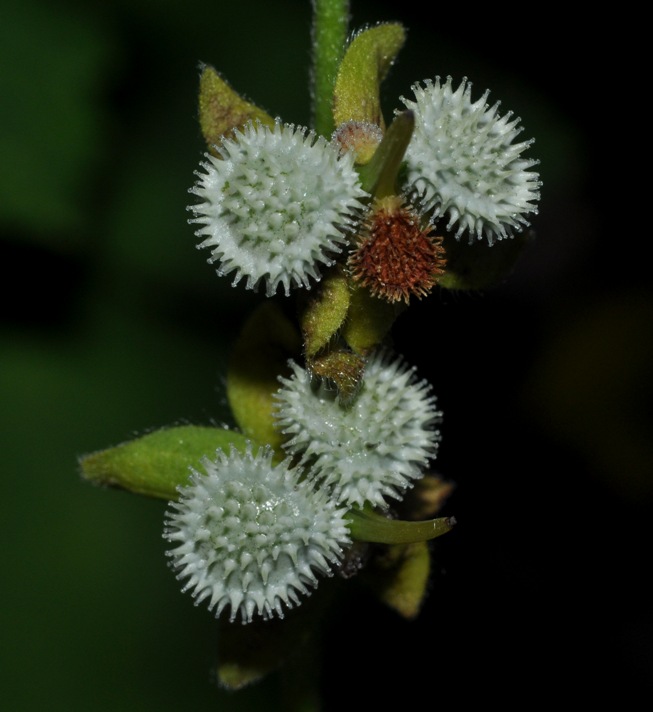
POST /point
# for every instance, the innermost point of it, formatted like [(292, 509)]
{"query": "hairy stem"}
[(330, 24)]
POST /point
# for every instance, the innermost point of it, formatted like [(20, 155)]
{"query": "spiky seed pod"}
[(251, 537), (396, 258), (275, 206), (376, 446), (463, 162)]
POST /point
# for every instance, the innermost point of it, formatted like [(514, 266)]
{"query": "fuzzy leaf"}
[(156, 463), (367, 60), (261, 353), (325, 312), (368, 321), (221, 109)]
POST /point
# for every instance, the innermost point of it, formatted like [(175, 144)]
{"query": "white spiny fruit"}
[(276, 205), (251, 537), (463, 162), (371, 449)]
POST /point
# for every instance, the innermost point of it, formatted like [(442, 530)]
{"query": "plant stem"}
[(330, 23)]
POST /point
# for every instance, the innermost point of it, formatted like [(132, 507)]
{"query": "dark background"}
[(113, 324)]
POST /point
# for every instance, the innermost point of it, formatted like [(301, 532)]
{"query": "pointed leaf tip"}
[(366, 63), (221, 109), (369, 526)]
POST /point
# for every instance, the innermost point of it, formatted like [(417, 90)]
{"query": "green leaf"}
[(324, 312), (222, 110), (156, 464), (367, 60), (261, 353), (366, 525), (369, 321)]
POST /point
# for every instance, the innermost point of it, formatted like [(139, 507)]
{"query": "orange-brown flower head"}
[(396, 257)]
